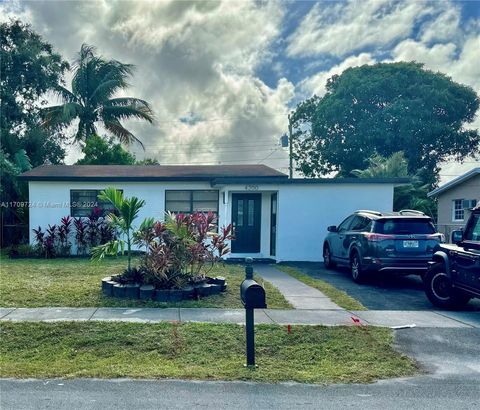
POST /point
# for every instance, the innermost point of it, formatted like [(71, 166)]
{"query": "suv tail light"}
[(378, 237), (440, 236)]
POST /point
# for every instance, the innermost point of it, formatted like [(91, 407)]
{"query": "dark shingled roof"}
[(148, 172)]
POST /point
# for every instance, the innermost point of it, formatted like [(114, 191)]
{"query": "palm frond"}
[(86, 52), (59, 116), (111, 248), (125, 101), (125, 112), (126, 137), (105, 89), (65, 94), (114, 196)]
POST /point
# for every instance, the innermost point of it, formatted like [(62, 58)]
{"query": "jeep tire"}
[(440, 291)]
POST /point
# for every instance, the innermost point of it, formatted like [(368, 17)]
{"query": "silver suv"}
[(368, 241)]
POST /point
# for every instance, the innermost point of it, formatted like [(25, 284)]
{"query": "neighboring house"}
[(455, 200), (274, 217)]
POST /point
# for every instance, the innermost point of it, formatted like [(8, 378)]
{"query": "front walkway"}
[(269, 316), (299, 295)]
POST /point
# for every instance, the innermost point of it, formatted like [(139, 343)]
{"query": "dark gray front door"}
[(246, 210)]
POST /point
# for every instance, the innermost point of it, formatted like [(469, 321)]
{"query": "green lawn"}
[(312, 354), (340, 297), (76, 282)]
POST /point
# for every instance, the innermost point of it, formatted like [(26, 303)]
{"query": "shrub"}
[(86, 233), (183, 249), (22, 251)]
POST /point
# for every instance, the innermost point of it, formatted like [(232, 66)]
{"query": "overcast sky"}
[(222, 76)]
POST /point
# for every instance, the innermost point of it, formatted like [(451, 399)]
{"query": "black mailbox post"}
[(253, 297)]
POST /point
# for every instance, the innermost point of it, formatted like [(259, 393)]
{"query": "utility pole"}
[(290, 143)]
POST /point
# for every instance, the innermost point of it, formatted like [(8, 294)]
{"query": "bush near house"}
[(81, 233), (178, 252)]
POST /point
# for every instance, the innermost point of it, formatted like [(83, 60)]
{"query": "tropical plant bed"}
[(113, 286), (311, 354)]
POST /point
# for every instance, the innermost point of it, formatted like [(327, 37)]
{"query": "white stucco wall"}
[(304, 210), (43, 192)]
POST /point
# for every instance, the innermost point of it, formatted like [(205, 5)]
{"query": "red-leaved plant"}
[(63, 235), (181, 250), (81, 235)]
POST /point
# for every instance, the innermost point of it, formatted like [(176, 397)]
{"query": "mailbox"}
[(252, 295)]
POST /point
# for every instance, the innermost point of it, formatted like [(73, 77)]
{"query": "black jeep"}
[(453, 277)]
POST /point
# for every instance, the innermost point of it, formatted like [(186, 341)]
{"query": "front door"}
[(246, 210)]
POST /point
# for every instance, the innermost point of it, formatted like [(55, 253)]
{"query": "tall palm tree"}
[(91, 99), (394, 166), (408, 196)]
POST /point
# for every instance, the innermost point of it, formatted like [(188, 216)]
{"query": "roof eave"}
[(307, 181), (454, 182)]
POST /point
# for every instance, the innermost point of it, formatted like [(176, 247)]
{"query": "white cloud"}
[(444, 26), (199, 59), (191, 57), (316, 83), (339, 29)]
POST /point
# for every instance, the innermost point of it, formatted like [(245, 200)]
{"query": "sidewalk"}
[(299, 295), (388, 318)]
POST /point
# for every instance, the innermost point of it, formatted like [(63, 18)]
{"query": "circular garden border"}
[(212, 286)]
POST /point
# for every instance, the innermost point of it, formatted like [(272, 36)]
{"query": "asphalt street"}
[(382, 291), (449, 360)]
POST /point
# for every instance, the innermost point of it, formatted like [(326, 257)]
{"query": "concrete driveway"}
[(388, 292)]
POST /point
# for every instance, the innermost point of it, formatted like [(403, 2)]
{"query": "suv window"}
[(473, 230), (360, 223), (344, 226), (404, 226)]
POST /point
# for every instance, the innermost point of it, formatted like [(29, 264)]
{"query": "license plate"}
[(410, 244)]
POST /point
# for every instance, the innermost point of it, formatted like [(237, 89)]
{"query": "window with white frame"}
[(458, 213), (188, 201)]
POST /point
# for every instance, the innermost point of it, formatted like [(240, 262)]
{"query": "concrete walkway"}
[(270, 316), (299, 295)]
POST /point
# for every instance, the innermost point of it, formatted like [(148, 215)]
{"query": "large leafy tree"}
[(98, 151), (29, 68), (385, 108), (104, 151), (91, 99)]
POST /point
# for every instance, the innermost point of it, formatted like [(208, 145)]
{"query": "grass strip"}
[(337, 296), (76, 282), (311, 354)]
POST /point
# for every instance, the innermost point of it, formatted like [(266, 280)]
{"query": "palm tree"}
[(408, 196), (91, 99), (394, 166), (127, 210)]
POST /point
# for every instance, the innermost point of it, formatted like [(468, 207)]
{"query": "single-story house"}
[(455, 199), (274, 217)]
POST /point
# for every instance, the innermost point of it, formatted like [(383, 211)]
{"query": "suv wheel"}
[(357, 271), (327, 257), (439, 290)]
